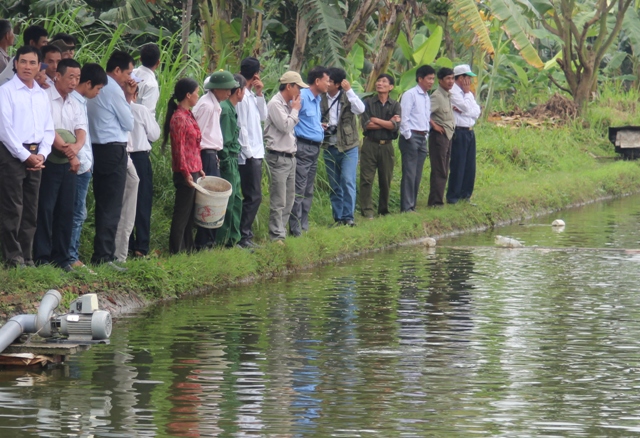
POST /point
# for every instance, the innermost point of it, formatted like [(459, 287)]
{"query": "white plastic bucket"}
[(212, 196)]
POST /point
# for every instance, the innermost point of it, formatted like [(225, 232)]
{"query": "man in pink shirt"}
[(207, 113)]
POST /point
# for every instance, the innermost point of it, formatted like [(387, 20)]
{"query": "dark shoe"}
[(29, 264), (68, 268), (295, 234), (349, 223), (337, 223), (116, 267), (247, 244)]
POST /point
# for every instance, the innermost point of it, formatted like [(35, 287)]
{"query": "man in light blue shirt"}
[(309, 135), (110, 121), (414, 128)]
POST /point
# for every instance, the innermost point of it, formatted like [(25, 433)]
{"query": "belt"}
[(464, 128), (280, 154), (311, 142), (425, 133), (111, 143), (140, 152), (379, 141), (32, 148)]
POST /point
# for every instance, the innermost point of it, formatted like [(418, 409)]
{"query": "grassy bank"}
[(521, 172)]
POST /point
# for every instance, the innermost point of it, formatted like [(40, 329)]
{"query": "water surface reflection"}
[(465, 339)]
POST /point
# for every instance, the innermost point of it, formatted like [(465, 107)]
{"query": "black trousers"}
[(55, 215), (439, 156), (181, 234), (462, 174), (141, 234), (205, 237), (18, 208), (109, 178), (251, 184)]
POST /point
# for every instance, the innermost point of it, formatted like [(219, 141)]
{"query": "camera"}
[(331, 130)]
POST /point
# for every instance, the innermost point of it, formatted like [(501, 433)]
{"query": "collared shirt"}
[(251, 111), (7, 73), (67, 113), (279, 128), (230, 130), (466, 103), (25, 117), (442, 112), (110, 117), (375, 108), (185, 142), (4, 59), (49, 81), (85, 155), (148, 89), (310, 126), (357, 106), (416, 110), (207, 112), (145, 129)]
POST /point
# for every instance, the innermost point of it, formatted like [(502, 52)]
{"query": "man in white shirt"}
[(340, 106), (7, 39), (92, 79), (466, 112), (58, 186), (252, 110), (26, 136), (148, 90), (135, 221), (414, 129), (51, 55), (207, 113), (35, 36)]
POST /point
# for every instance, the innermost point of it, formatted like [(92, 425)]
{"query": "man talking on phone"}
[(252, 110)]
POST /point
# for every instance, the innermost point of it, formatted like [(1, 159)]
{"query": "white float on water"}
[(507, 242), (430, 242), (557, 223)]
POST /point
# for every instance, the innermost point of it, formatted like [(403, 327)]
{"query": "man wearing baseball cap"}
[(466, 112), (280, 140), (207, 113)]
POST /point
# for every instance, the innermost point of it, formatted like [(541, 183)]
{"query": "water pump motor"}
[(85, 321)]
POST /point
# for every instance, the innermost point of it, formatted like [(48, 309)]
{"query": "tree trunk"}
[(358, 24), (389, 39), (302, 32), (449, 44), (187, 7)]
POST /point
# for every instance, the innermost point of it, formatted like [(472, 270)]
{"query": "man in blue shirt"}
[(309, 135), (110, 120)]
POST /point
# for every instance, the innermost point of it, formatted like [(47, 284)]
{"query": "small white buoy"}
[(507, 242), (430, 242), (557, 223)]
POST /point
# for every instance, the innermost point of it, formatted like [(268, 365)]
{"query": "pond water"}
[(467, 339)]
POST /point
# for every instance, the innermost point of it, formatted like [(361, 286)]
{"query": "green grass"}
[(521, 172)]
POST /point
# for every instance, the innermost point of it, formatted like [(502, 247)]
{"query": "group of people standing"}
[(63, 124), (301, 120)]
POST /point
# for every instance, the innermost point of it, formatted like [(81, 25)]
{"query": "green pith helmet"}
[(221, 80), (66, 135)]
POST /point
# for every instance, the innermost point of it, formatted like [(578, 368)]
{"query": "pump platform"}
[(42, 352)]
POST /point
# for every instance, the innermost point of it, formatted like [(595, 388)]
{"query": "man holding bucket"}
[(207, 113)]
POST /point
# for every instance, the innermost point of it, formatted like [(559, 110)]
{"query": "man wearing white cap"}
[(466, 112), (281, 146)]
